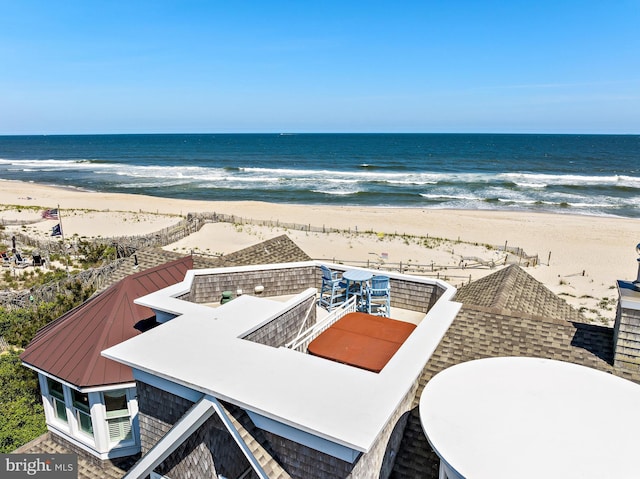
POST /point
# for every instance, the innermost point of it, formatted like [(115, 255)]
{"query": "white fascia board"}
[(110, 387), (168, 386), (301, 437), (91, 389)]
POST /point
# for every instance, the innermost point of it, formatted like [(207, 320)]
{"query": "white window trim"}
[(49, 399), (99, 443), (77, 411), (131, 404)]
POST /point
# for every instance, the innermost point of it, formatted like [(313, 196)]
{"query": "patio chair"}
[(20, 261), (6, 259), (38, 260), (379, 296), (333, 289)]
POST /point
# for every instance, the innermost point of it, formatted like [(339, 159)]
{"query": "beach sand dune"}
[(580, 256)]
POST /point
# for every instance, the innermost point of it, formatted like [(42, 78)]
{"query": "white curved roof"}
[(531, 418)]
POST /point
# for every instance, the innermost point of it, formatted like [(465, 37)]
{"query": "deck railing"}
[(305, 337)]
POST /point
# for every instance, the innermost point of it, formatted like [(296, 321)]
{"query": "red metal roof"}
[(69, 347)]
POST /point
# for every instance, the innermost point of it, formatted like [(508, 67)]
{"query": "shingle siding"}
[(414, 296), (211, 450), (627, 339), (302, 462), (379, 461), (207, 452), (285, 327), (209, 288)]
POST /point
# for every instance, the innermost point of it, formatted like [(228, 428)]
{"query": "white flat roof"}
[(201, 349), (532, 418)]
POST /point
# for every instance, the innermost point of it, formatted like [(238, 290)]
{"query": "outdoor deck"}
[(401, 314), (250, 337)]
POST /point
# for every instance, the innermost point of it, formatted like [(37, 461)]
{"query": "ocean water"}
[(577, 174)]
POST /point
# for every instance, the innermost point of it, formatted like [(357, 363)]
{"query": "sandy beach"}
[(580, 256)]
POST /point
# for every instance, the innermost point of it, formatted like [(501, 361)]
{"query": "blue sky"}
[(304, 66)]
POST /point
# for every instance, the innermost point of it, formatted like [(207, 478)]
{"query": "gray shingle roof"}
[(146, 258), (87, 468), (276, 250), (508, 313), (513, 290)]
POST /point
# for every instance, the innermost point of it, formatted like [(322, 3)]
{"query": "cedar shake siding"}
[(285, 327), (211, 450)]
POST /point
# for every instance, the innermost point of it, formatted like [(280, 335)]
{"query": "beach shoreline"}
[(580, 257)]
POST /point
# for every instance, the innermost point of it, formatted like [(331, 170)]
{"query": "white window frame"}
[(72, 426), (79, 412), (54, 400), (122, 413), (99, 442)]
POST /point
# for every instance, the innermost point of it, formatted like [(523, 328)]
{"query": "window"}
[(57, 399), (118, 418), (83, 412)]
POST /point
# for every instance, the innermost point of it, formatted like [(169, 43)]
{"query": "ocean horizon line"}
[(294, 133)]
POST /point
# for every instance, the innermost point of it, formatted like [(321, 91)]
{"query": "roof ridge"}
[(510, 273)]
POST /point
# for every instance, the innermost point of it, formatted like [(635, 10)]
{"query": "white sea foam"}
[(512, 200), (448, 197), (596, 194), (335, 192), (47, 162), (152, 184), (531, 180), (524, 184), (522, 180), (571, 180)]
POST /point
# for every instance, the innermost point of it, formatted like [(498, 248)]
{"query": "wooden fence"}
[(125, 245), (128, 245), (94, 277)]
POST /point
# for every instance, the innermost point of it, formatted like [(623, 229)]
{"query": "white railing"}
[(301, 342)]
